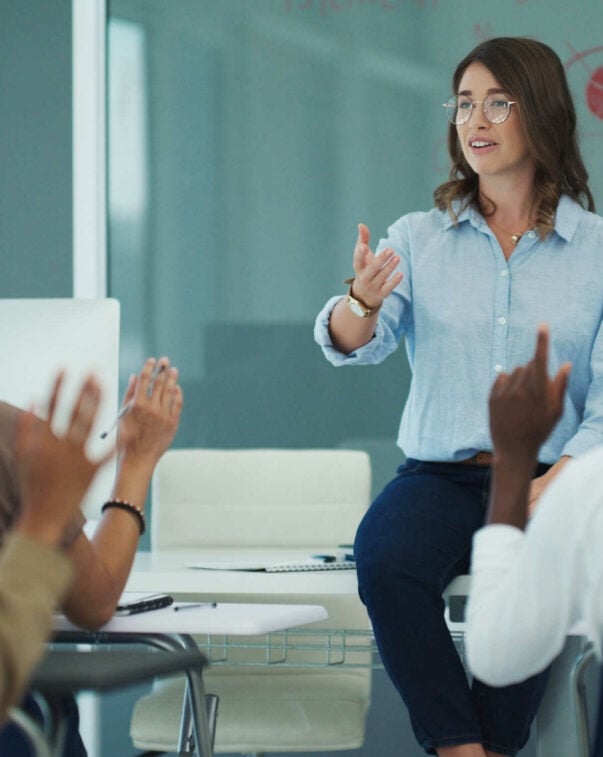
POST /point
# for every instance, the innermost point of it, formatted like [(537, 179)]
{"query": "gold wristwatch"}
[(357, 306)]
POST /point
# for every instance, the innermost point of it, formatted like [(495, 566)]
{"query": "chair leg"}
[(33, 731), (579, 697)]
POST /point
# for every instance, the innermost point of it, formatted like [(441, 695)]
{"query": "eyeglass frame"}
[(473, 104)]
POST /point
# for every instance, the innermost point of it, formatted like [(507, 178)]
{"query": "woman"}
[(511, 243), (101, 564)]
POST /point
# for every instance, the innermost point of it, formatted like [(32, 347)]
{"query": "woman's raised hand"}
[(375, 275)]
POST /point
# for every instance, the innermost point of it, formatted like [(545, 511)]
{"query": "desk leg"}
[(556, 729), (197, 704), (203, 731), (195, 700), (186, 725)]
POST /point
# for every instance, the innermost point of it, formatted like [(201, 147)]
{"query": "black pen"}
[(156, 371), (195, 605)]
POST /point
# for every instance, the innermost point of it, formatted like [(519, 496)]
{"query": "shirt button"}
[(498, 368), (502, 320), (504, 273), (531, 234)]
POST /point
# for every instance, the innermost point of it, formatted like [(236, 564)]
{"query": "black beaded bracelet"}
[(128, 507)]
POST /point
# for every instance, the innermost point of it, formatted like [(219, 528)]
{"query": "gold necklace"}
[(517, 235)]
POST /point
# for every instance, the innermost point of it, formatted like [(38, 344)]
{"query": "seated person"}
[(531, 582), (35, 574), (101, 565)]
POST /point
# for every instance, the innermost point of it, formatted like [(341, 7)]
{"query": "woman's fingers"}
[(375, 275), (362, 252), (54, 395), (167, 388), (386, 264), (159, 379), (364, 235), (84, 411)]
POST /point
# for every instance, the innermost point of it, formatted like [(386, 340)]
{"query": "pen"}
[(119, 415), (195, 605), (156, 371)]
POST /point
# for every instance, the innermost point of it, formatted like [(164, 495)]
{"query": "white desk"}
[(171, 630), (167, 572), (225, 619)]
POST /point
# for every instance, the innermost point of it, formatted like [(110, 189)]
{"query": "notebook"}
[(277, 567)]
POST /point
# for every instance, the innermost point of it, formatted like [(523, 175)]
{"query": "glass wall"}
[(247, 140)]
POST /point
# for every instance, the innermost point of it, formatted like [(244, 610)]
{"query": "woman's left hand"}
[(539, 484)]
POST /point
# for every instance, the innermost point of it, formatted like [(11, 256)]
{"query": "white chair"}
[(265, 498)]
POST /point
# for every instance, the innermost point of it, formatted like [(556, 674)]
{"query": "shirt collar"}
[(567, 217), (468, 213)]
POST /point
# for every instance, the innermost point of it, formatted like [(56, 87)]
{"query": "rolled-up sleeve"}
[(383, 343)]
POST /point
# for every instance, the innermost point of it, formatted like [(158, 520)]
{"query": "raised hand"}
[(155, 403), (374, 274), (526, 405), (54, 470), (147, 424)]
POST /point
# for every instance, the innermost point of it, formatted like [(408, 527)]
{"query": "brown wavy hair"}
[(533, 75)]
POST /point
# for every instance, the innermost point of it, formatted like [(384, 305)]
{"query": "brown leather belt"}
[(480, 458)]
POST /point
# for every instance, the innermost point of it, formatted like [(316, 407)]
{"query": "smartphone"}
[(144, 604)]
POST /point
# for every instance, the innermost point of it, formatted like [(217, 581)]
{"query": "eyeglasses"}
[(496, 108)]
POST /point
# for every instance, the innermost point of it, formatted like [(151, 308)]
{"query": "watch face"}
[(356, 308)]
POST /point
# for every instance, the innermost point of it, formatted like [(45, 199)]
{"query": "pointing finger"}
[(541, 354)]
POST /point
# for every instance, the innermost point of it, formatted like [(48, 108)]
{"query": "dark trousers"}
[(14, 743), (414, 539)]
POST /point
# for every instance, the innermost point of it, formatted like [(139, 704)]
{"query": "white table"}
[(168, 572), (224, 619), (169, 629), (337, 591)]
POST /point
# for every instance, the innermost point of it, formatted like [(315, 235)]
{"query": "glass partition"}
[(247, 138)]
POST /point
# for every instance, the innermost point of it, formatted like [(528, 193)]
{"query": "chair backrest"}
[(38, 337), (259, 497)]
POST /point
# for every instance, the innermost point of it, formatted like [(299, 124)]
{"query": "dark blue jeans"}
[(14, 743), (414, 539)]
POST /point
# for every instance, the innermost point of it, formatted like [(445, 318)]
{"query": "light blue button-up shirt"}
[(467, 314)]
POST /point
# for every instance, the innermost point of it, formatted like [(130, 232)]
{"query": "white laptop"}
[(40, 336)]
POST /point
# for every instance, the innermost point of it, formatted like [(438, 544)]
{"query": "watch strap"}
[(357, 306)]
